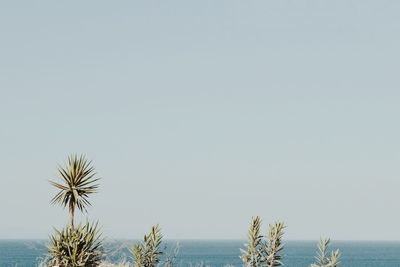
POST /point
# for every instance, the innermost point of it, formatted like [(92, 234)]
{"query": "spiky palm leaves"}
[(252, 256), (147, 254), (261, 252), (322, 258), (78, 182), (76, 247)]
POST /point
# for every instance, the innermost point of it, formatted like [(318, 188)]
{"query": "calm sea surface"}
[(29, 253)]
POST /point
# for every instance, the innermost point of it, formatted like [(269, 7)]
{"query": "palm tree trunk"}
[(71, 215)]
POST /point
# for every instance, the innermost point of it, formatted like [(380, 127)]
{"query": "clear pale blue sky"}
[(200, 114)]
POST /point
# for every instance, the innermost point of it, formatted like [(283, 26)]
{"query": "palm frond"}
[(78, 181)]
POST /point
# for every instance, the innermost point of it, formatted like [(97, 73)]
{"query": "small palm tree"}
[(79, 180)]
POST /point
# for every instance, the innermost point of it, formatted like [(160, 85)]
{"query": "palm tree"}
[(79, 181)]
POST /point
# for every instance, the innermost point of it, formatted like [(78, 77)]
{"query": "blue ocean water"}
[(29, 253)]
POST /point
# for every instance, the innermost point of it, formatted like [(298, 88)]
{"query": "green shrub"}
[(252, 255), (78, 246), (261, 251), (147, 254), (322, 258), (274, 246)]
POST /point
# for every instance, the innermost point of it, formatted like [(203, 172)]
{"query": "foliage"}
[(120, 264), (252, 256), (80, 246), (147, 254), (79, 181), (260, 251), (169, 259), (171, 256), (322, 258), (274, 246)]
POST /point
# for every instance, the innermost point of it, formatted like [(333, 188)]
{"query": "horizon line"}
[(222, 239)]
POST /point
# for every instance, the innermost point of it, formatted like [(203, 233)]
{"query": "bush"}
[(322, 258), (78, 246), (147, 254), (261, 251)]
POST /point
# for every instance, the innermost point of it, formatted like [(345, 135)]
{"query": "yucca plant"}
[(147, 254), (78, 182), (252, 254), (262, 252), (274, 246), (322, 258), (80, 246)]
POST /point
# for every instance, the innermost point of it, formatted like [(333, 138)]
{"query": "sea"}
[(202, 253)]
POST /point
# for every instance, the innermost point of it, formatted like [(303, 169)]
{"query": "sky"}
[(199, 115)]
